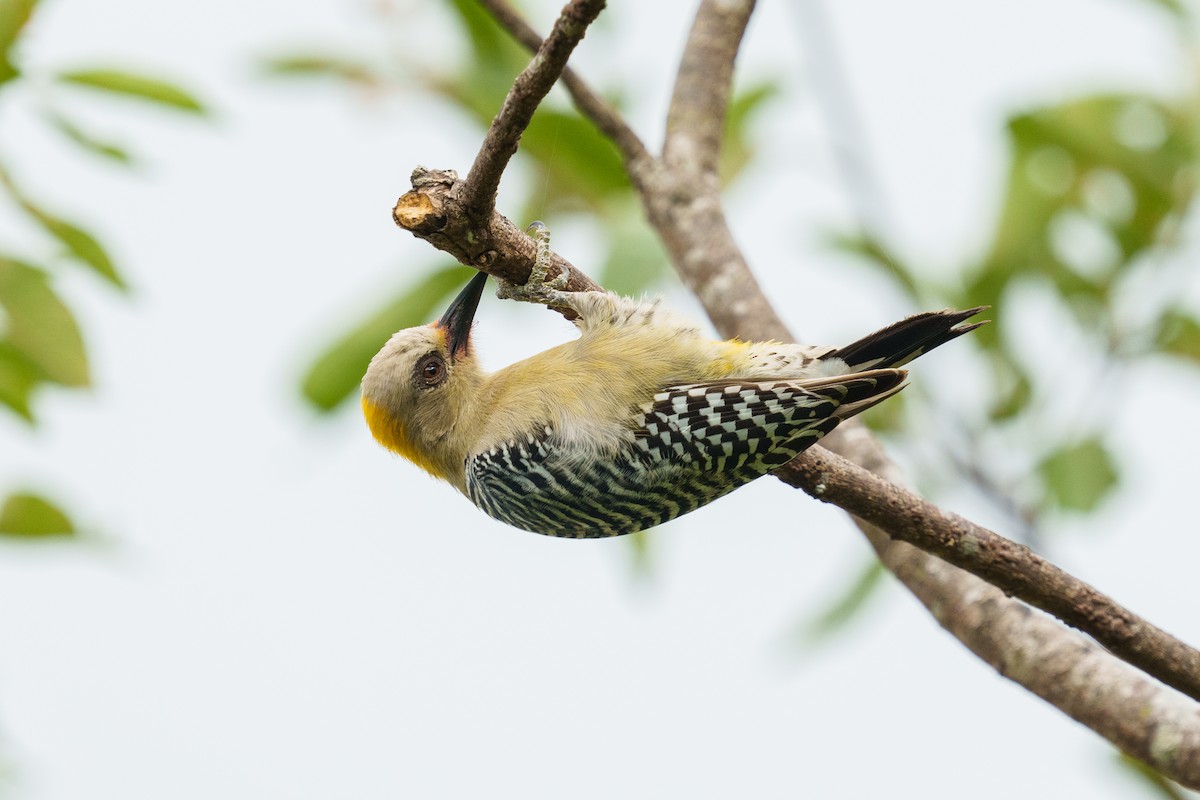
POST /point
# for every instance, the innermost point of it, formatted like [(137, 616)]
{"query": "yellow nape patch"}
[(390, 433), (730, 357)]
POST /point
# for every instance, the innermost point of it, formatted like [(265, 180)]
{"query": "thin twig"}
[(606, 118), (534, 83)]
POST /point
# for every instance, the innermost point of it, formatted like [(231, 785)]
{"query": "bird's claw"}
[(538, 288)]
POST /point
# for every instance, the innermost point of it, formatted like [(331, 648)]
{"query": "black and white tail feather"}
[(911, 337)]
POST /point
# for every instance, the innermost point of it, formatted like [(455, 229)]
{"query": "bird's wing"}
[(732, 426), (690, 445)]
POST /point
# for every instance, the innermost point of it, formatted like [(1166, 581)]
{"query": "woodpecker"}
[(641, 419)]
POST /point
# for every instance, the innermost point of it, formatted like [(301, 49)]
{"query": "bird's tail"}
[(907, 339)]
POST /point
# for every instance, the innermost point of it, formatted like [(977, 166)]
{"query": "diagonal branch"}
[(684, 202), (1139, 716), (459, 216), (604, 116), (533, 84), (1013, 568), (703, 85)]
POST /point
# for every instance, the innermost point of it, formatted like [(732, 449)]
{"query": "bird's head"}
[(419, 386)]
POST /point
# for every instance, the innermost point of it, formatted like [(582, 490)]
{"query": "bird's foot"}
[(538, 288)]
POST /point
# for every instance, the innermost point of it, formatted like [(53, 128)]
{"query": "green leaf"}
[(82, 246), (18, 378), (28, 515), (40, 327), (140, 87), (336, 373), (1014, 388), (316, 65), (1179, 335), (578, 163), (1174, 7), (641, 560), (737, 151), (491, 45), (13, 16), (846, 606), (1078, 476), (636, 260), (480, 86), (1090, 185), (890, 417), (868, 247), (88, 142)]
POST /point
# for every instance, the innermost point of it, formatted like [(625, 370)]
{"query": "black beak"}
[(461, 313)]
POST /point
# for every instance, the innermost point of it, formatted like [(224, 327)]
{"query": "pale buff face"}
[(391, 377), (407, 398)]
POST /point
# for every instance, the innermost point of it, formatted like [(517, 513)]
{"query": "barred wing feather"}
[(690, 445)]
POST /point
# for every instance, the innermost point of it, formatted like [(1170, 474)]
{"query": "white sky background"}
[(286, 611)]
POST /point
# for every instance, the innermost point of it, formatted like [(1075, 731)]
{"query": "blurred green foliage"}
[(1096, 189), (1179, 335), (30, 516), (40, 342), (140, 87), (13, 16), (336, 373), (844, 607), (41, 339), (1078, 475)]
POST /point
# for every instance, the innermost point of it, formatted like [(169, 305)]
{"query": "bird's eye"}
[(431, 370)]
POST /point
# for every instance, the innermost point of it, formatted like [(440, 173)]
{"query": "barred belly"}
[(596, 500)]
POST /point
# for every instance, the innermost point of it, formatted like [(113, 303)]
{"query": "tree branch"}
[(590, 104), (478, 192), (434, 211), (459, 216), (1013, 568), (683, 202), (681, 194), (1137, 715), (703, 85)]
